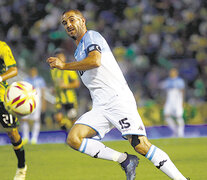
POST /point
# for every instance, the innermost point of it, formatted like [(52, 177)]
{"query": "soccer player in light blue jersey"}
[(173, 108), (113, 103), (39, 84)]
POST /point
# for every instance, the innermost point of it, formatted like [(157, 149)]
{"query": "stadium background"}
[(147, 37)]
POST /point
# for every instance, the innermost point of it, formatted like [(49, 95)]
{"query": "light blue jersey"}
[(113, 103), (177, 83), (38, 83), (106, 81), (174, 88)]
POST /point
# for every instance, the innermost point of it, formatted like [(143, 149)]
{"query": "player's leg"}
[(168, 112), (58, 118), (181, 126), (79, 138), (61, 117), (131, 125), (70, 114), (172, 124), (180, 121), (9, 122), (96, 124), (35, 131), (62, 120), (25, 131), (20, 154), (35, 117), (158, 157), (16, 141)]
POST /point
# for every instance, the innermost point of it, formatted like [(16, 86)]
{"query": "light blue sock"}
[(97, 149)]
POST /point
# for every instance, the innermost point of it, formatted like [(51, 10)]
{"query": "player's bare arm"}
[(11, 72), (93, 60)]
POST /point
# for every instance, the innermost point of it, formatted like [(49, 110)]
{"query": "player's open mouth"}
[(70, 29)]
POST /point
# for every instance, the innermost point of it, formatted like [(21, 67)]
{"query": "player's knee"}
[(141, 144), (74, 141), (180, 121), (58, 117), (13, 135), (135, 141)]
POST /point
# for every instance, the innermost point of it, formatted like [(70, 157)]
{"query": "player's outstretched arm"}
[(93, 60), (11, 72)]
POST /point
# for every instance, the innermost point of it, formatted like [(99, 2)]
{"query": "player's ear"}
[(83, 20)]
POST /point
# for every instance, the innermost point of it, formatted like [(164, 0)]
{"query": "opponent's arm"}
[(7, 56), (93, 60), (74, 84), (11, 72)]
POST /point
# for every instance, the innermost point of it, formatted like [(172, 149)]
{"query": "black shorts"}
[(65, 108), (7, 120)]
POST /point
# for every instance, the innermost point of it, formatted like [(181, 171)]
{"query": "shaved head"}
[(74, 23), (77, 12)]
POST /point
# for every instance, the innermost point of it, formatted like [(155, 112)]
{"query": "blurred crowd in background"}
[(148, 37)]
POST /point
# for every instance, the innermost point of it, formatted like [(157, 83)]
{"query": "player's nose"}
[(68, 23)]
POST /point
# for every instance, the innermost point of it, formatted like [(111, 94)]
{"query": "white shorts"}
[(121, 114), (173, 110)]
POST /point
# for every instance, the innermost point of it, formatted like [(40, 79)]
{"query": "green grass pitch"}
[(59, 162)]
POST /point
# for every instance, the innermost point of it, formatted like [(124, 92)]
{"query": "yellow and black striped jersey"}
[(6, 61), (64, 96)]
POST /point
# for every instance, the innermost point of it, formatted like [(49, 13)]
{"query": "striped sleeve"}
[(7, 56)]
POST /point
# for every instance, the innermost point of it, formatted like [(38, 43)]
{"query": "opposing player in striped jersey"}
[(173, 108), (113, 102), (8, 69), (65, 83)]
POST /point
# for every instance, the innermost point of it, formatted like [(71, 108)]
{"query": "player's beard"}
[(73, 37)]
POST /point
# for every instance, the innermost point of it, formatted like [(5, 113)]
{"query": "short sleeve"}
[(94, 40), (165, 84), (42, 82), (181, 84), (7, 56)]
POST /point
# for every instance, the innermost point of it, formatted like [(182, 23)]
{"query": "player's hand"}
[(55, 62)]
